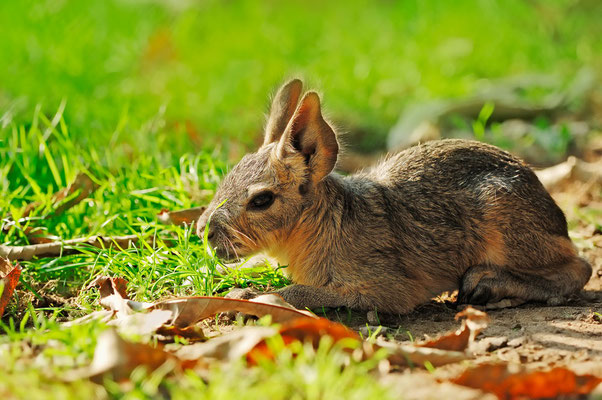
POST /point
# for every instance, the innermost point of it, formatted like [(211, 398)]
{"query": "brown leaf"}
[(188, 216), (473, 322), (189, 310), (312, 329), (113, 294), (82, 185), (303, 330), (9, 278), (182, 313), (415, 356), (117, 358), (228, 347), (506, 383)]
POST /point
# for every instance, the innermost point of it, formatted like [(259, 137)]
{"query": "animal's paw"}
[(556, 301), (484, 292), (240, 294), (505, 303)]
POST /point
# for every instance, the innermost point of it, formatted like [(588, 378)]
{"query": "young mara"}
[(444, 215)]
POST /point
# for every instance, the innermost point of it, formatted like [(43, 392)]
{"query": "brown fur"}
[(443, 215)]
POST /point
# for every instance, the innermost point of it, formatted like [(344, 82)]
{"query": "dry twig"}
[(66, 247)]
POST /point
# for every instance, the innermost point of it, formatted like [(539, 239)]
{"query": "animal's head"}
[(263, 196)]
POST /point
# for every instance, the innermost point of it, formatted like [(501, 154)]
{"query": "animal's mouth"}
[(231, 252)]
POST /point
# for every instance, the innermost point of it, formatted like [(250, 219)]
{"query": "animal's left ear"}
[(283, 107), (308, 134)]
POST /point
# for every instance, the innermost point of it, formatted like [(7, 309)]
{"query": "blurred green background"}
[(199, 73)]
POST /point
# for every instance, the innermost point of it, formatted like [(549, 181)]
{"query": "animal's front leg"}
[(299, 296), (303, 296)]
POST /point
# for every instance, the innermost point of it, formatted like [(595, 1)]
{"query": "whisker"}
[(233, 248), (246, 236)]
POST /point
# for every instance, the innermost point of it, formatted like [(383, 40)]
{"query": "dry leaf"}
[(473, 322), (113, 294), (9, 278), (506, 383), (311, 330), (82, 185), (178, 316), (147, 323), (118, 358), (572, 168), (303, 330), (188, 216), (415, 356), (228, 347), (251, 340), (190, 310)]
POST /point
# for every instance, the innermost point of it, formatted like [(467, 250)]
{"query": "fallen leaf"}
[(572, 168), (9, 278), (102, 315), (146, 323), (420, 385), (473, 322), (81, 187), (250, 341), (311, 330), (511, 382), (117, 358), (188, 216), (189, 310), (414, 356), (178, 316), (228, 347), (113, 295), (303, 330)]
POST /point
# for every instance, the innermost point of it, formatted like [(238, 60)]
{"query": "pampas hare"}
[(444, 215)]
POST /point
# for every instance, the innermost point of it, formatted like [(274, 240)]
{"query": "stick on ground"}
[(57, 249)]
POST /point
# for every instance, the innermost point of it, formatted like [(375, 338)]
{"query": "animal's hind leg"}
[(486, 284)]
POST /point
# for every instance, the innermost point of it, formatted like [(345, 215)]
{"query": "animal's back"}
[(473, 178)]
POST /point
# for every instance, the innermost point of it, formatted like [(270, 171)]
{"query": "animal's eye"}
[(261, 201)]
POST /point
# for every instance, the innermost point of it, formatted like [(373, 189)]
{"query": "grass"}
[(154, 100)]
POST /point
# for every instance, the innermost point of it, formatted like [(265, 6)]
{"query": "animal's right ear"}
[(282, 110)]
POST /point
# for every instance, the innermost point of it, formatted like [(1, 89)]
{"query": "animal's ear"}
[(283, 108), (307, 133)]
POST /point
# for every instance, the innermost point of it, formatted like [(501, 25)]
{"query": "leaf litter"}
[(118, 357)]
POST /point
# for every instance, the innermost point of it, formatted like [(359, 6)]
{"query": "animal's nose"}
[(202, 225)]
